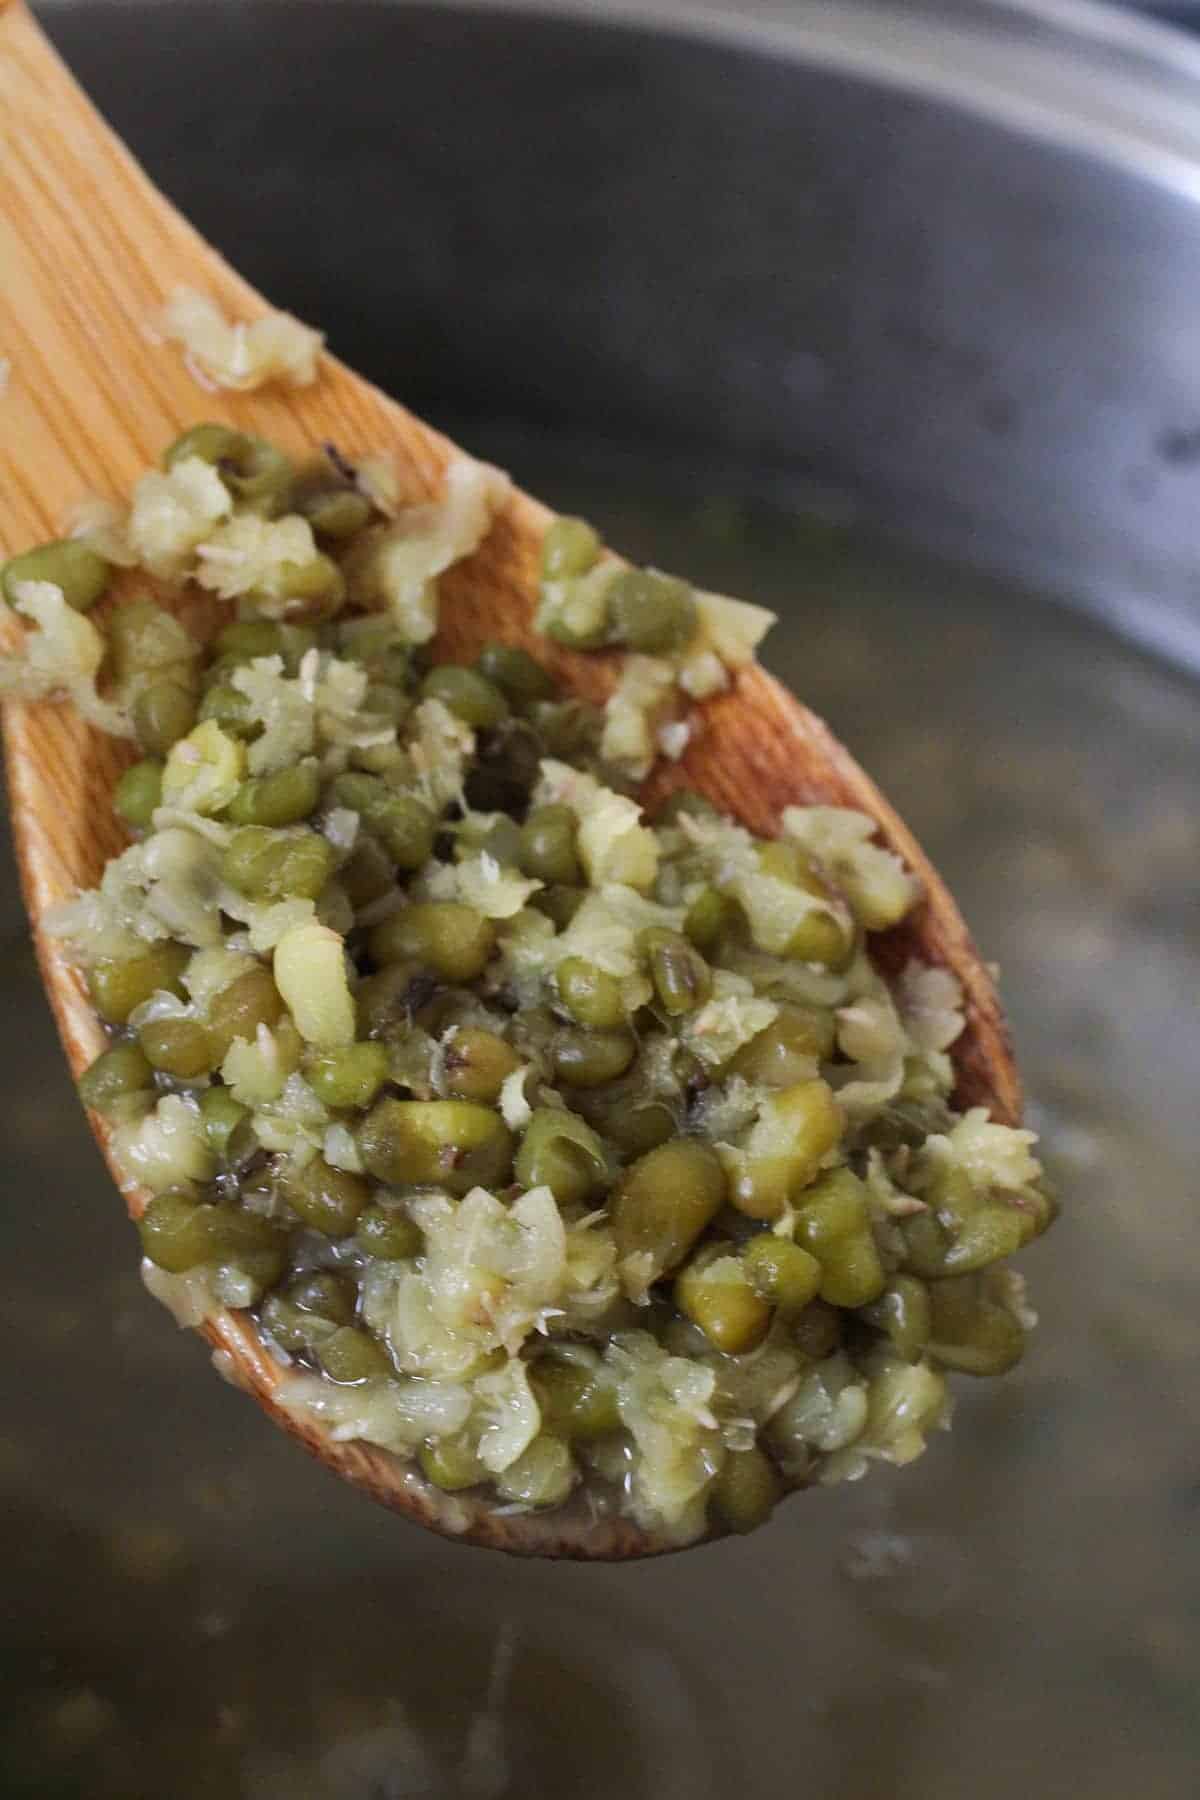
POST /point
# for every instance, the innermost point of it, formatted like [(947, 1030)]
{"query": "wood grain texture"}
[(89, 252)]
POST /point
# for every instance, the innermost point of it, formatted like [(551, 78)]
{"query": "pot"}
[(885, 316)]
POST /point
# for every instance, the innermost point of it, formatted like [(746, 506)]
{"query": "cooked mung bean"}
[(249, 1001), (576, 1397), (548, 846), (403, 824), (162, 714), (71, 566), (222, 1115), (451, 939), (560, 1152), (651, 612), (590, 995), (714, 1291), (570, 547), (178, 1047), (118, 985), (351, 1355), (258, 474), (115, 1075), (585, 1150), (386, 1232), (282, 798), (266, 866), (747, 1490), (477, 1063), (138, 793), (682, 979), (664, 1203), (453, 1144), (469, 695), (328, 1199), (348, 1077), (337, 513), (782, 1272), (519, 676), (452, 1464), (587, 1059)]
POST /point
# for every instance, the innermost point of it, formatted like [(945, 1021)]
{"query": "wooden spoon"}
[(89, 252)]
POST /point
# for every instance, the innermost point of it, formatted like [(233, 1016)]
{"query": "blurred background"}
[(885, 316)]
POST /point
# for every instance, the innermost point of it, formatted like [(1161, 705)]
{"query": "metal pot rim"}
[(1083, 74)]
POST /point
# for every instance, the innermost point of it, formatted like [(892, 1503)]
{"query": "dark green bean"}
[(516, 674), (682, 979), (351, 1356), (178, 1047), (257, 474), (282, 798), (570, 547), (651, 612), (251, 1000), (747, 1490), (450, 1143), (452, 939), (328, 1199), (559, 1151), (466, 693), (588, 1059), (138, 793), (163, 713), (476, 1063), (266, 864), (403, 825), (116, 987), (222, 1116), (664, 1202), (591, 996), (79, 571), (349, 1077), (115, 1075), (388, 1233), (548, 845)]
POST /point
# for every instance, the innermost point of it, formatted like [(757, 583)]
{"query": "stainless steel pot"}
[(888, 316), (941, 255)]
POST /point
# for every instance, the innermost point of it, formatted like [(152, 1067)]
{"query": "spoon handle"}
[(89, 253)]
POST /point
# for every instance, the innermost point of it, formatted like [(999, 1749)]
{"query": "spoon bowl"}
[(89, 254)]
